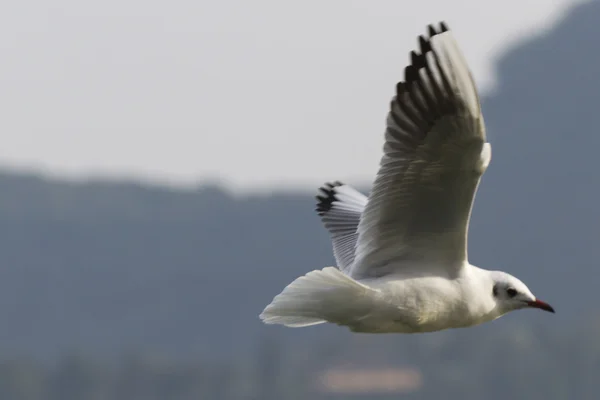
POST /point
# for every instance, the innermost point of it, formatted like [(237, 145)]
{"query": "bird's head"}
[(511, 294)]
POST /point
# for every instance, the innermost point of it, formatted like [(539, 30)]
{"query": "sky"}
[(254, 95)]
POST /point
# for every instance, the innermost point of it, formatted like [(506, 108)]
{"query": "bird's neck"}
[(478, 292)]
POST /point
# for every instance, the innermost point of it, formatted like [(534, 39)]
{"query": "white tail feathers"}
[(320, 296)]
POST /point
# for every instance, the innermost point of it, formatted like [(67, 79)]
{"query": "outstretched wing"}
[(435, 153), (340, 207)]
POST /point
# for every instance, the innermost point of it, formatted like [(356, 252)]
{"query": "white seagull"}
[(402, 252)]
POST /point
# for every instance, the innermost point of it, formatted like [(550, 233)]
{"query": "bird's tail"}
[(326, 295)]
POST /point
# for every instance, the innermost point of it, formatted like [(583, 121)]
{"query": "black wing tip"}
[(417, 59), (431, 30), (326, 197), (443, 27), (424, 44), (400, 89)]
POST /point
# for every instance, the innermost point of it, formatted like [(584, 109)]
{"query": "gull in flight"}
[(402, 252)]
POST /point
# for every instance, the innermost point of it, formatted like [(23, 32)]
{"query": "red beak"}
[(541, 305)]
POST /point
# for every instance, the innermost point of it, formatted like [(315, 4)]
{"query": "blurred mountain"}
[(109, 267)]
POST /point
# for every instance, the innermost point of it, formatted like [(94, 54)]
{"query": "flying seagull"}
[(402, 252)]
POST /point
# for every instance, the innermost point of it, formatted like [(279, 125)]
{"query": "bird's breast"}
[(425, 304)]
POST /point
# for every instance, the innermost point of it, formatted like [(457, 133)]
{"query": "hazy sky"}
[(252, 93)]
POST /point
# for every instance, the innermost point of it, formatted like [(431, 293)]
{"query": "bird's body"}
[(401, 304), (402, 252), (428, 303)]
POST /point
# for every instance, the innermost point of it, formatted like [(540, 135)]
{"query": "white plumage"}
[(402, 253)]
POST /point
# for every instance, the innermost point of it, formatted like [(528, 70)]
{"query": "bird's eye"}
[(511, 292)]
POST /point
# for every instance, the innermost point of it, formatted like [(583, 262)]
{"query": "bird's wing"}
[(340, 207), (435, 153)]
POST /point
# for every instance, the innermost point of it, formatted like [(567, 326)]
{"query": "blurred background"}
[(159, 166)]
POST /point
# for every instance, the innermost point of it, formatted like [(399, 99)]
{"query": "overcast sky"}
[(255, 94)]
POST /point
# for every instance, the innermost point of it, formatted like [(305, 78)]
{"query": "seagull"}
[(401, 252)]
